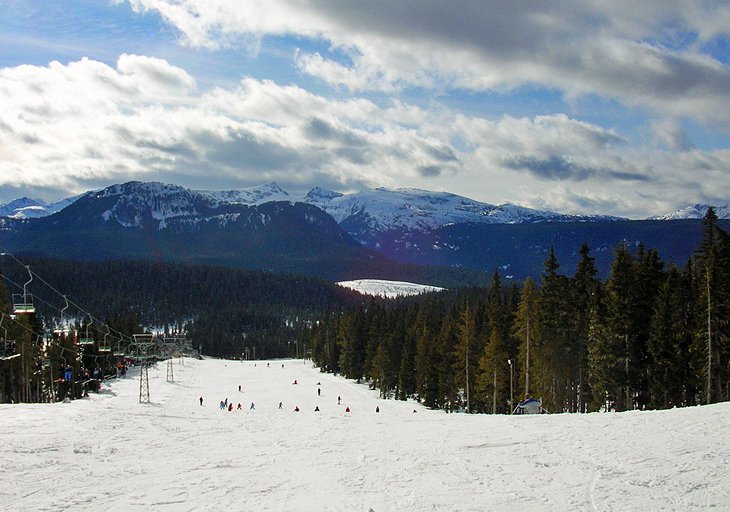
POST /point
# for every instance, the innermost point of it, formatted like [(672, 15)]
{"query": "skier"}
[(319, 392), (377, 408), (296, 408), (316, 408), (226, 402), (252, 408), (222, 406), (295, 381), (239, 388), (280, 405), (347, 409), (230, 407), (338, 400), (201, 401), (239, 406)]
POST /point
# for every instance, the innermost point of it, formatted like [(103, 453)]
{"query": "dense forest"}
[(649, 336)]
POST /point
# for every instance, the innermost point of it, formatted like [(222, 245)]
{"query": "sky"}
[(110, 453), (591, 107)]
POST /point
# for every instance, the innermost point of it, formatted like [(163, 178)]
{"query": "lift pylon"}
[(143, 344)]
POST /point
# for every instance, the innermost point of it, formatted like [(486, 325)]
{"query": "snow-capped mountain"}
[(381, 233), (251, 196), (363, 214), (26, 208), (155, 221), (696, 211), (136, 204)]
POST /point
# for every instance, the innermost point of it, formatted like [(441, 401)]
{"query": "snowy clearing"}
[(388, 289), (111, 453)]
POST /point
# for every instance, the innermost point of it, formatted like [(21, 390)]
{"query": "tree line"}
[(230, 313), (651, 335)]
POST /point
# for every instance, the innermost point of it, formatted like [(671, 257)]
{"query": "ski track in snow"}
[(111, 453)]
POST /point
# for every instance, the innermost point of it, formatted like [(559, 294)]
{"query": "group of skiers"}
[(224, 404)]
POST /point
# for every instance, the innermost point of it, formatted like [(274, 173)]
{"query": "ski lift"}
[(23, 304), (87, 338), (118, 352), (529, 406), (61, 326), (104, 345)]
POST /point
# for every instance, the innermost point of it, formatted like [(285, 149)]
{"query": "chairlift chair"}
[(104, 345), (23, 303), (61, 328), (86, 338), (119, 352)]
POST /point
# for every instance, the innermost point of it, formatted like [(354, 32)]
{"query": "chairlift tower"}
[(170, 376), (144, 343), (170, 349)]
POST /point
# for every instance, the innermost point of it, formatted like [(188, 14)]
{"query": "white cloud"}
[(619, 49), (155, 77), (70, 127)]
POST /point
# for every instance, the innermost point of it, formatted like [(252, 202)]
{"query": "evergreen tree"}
[(448, 397), (556, 352), (466, 359), (666, 347), (493, 381), (587, 295), (618, 333), (711, 350), (526, 322), (649, 279)]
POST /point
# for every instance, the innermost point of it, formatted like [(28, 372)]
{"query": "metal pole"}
[(494, 396), (511, 392), (709, 340), (527, 358)]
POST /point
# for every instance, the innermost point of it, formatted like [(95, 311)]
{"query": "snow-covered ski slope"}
[(110, 453)]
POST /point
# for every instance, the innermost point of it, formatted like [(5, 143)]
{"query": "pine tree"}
[(465, 354), (556, 351), (587, 295), (620, 317), (492, 384), (666, 366), (448, 397), (526, 323), (711, 350)]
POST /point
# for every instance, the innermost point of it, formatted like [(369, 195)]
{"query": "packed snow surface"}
[(388, 289), (110, 453)]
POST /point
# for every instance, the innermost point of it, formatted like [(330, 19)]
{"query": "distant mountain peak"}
[(251, 196), (318, 194), (27, 208), (695, 211)]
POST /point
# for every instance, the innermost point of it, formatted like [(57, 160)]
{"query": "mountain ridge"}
[(379, 208)]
